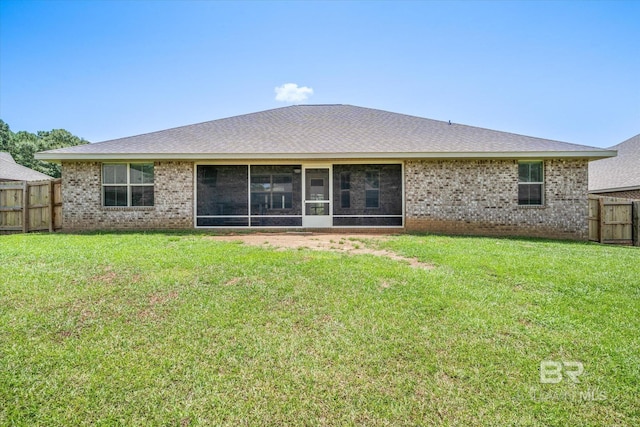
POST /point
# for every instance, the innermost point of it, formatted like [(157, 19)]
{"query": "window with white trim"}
[(530, 183), (345, 189), (269, 192), (127, 184), (372, 189)]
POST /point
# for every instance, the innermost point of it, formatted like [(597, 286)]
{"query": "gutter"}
[(614, 190), (480, 155)]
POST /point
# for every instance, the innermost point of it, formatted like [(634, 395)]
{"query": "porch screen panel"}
[(276, 221), (222, 193), (367, 221), (276, 195), (372, 196), (276, 190)]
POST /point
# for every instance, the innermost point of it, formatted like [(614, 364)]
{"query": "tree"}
[(6, 137), (56, 138), (23, 145)]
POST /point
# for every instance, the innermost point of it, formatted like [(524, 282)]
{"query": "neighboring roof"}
[(6, 156), (324, 131), (11, 171), (619, 173)]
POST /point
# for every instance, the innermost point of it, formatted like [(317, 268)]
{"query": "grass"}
[(178, 329)]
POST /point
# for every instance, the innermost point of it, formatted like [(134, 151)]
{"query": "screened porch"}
[(299, 195)]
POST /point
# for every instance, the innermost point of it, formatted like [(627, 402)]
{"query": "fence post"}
[(51, 205), (636, 223), (25, 206), (601, 219)]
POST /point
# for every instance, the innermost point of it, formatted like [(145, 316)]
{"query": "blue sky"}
[(106, 69)]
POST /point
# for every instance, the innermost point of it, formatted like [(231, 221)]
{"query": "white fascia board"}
[(593, 155), (615, 190)]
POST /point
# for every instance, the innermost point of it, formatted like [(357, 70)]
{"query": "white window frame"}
[(541, 182), (129, 185), (270, 193)]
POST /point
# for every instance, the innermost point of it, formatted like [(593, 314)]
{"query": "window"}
[(530, 183), (372, 189), (345, 189), (271, 192), (127, 184)]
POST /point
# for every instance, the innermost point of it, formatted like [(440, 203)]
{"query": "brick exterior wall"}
[(481, 197), (444, 196), (82, 199)]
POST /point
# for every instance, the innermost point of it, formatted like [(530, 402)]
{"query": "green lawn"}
[(178, 329)]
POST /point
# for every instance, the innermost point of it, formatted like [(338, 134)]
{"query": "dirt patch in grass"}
[(356, 244), (108, 277), (154, 310), (161, 298)]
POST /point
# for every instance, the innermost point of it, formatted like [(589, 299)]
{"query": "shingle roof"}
[(329, 131), (617, 173), (11, 171), (6, 156)]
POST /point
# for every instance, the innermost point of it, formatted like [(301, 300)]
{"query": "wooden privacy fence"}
[(30, 206), (614, 220)]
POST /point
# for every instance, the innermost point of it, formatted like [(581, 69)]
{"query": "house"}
[(329, 166), (11, 171), (618, 176)]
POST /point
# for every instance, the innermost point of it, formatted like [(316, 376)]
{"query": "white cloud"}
[(290, 92)]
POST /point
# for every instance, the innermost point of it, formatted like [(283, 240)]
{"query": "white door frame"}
[(317, 221)]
